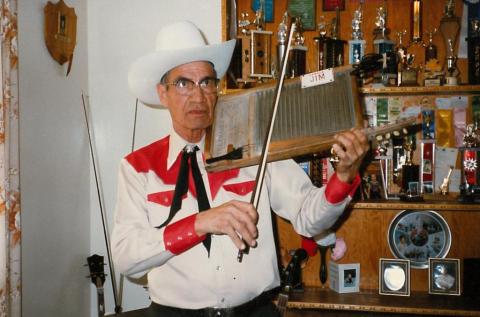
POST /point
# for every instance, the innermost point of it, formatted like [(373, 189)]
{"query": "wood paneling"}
[(365, 231)]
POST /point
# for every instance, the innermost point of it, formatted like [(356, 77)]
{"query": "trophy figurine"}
[(357, 44), (381, 42), (450, 28), (282, 36), (474, 52), (410, 171)]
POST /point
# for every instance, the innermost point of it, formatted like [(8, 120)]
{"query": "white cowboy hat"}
[(178, 43)]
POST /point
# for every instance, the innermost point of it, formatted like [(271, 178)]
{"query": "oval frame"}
[(425, 234)]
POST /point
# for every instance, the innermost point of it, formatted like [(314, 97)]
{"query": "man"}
[(191, 256)]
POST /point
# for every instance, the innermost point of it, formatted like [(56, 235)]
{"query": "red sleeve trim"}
[(181, 236), (336, 190)]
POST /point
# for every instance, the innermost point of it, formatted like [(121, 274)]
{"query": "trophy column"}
[(470, 174), (356, 46), (449, 28)]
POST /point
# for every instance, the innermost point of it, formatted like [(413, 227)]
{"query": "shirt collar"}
[(176, 145)]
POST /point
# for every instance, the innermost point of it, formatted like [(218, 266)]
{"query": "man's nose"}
[(198, 92)]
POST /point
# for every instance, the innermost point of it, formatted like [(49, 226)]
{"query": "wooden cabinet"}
[(365, 230)]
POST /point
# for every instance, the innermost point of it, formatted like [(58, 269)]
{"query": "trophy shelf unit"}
[(399, 18)]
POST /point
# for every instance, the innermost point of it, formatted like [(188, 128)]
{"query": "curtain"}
[(10, 234)]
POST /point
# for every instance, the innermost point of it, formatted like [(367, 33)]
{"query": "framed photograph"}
[(417, 235), (444, 276), (305, 9), (413, 188), (344, 278), (373, 186), (394, 277), (332, 5)]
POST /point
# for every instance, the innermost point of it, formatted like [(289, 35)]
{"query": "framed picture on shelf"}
[(394, 278), (373, 186), (344, 278), (444, 276)]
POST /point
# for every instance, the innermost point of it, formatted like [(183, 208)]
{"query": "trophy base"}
[(430, 82), (451, 81), (383, 46), (469, 199), (356, 51), (408, 77), (410, 176)]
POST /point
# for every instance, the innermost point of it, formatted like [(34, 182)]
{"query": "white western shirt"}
[(189, 278)]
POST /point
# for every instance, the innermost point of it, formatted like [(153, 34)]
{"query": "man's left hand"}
[(350, 147)]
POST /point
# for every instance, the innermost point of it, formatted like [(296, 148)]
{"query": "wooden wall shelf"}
[(420, 303), (426, 205), (421, 90)]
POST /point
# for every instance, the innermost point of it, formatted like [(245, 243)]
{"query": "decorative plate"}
[(418, 235)]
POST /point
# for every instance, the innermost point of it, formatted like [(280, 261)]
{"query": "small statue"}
[(450, 8), (260, 18), (244, 22), (322, 27), (380, 20), (408, 146), (298, 38), (283, 29), (446, 181), (357, 23)]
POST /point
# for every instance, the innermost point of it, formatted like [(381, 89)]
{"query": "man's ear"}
[(162, 94)]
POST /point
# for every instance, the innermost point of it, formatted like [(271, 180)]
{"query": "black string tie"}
[(181, 188)]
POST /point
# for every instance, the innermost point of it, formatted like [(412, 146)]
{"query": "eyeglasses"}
[(185, 86)]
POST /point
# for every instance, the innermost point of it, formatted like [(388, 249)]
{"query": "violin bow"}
[(266, 144), (118, 308)]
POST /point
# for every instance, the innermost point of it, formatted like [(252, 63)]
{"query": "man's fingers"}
[(246, 231), (247, 209), (235, 238)]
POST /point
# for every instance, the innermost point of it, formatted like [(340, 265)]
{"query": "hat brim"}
[(145, 73)]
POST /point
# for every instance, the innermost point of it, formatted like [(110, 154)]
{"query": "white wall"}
[(118, 33), (54, 171)]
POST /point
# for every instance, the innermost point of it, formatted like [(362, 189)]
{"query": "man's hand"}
[(350, 147), (235, 218)]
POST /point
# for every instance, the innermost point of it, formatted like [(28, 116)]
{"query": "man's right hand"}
[(237, 219)]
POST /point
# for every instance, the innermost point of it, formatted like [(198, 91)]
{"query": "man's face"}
[(191, 114)]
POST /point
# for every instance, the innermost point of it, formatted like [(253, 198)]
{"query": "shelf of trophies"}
[(421, 40)]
